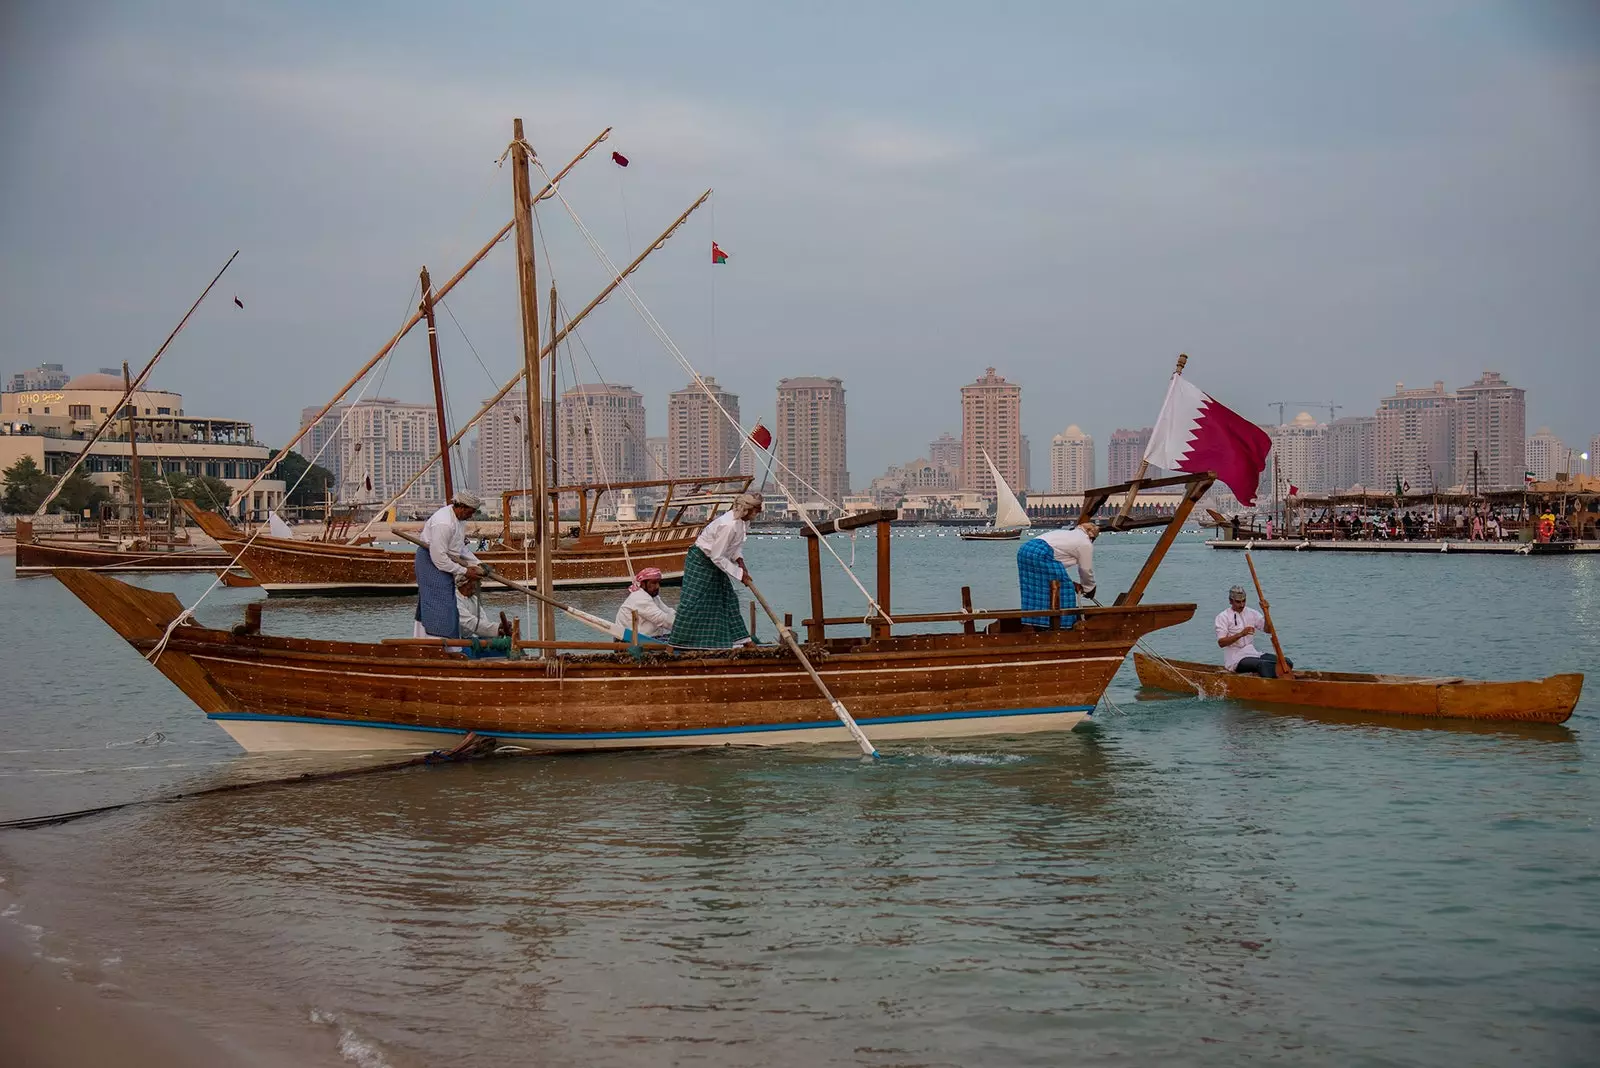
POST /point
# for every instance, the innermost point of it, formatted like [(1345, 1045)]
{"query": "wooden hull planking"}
[(1548, 700), (40, 557), (991, 535), (274, 692)]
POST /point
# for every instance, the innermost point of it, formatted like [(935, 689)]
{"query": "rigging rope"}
[(672, 348)]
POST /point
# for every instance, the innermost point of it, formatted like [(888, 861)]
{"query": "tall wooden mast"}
[(133, 453), (521, 155), (438, 383)]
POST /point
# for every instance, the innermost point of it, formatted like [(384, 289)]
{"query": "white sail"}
[(1008, 511)]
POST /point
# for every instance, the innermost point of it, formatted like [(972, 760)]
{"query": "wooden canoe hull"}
[(40, 557), (275, 692), (991, 535), (1549, 700)]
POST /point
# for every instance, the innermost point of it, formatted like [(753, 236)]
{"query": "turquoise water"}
[(1185, 881)]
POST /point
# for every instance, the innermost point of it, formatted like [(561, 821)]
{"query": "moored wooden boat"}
[(990, 535), (1010, 519), (40, 555), (1548, 700)]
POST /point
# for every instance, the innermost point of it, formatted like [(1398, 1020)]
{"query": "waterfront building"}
[(1351, 453), (502, 455), (655, 454), (1027, 465), (1594, 455), (810, 439), (991, 422), (1299, 456), (602, 433), (1071, 461), (1491, 423), (1545, 454), (701, 442), (51, 426), (946, 451), (46, 376), (1124, 452), (1414, 438), (374, 448)]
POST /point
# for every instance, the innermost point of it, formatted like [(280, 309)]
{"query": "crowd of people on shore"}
[(1482, 524)]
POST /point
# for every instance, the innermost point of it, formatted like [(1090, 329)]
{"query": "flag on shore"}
[(717, 255), (1194, 433)]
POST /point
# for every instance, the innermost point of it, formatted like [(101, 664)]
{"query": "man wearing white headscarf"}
[(444, 535), (708, 611)]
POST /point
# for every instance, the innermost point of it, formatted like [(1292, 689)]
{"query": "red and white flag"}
[(1194, 433), (761, 437)]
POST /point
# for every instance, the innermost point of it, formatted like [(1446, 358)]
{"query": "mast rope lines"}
[(672, 348), (572, 323), (416, 317), (188, 613), (132, 387)]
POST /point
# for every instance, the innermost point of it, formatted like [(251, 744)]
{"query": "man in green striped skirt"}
[(708, 610)]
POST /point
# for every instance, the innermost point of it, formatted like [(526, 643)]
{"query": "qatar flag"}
[(1195, 434)]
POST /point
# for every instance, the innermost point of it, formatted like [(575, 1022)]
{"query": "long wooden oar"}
[(1284, 670), (604, 626), (839, 710)]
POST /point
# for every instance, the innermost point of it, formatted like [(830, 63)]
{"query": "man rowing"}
[(708, 611), (644, 604), (1046, 559), (444, 535), (1236, 630)]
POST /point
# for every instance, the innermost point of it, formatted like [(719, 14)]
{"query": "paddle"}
[(1284, 670), (579, 614), (838, 706)]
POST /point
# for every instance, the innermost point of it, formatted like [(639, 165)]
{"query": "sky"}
[(1314, 201)]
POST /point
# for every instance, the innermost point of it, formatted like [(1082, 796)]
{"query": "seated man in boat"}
[(1047, 558), (445, 536), (708, 611), (473, 619), (1236, 631), (644, 603)]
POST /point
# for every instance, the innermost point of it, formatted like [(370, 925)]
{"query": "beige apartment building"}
[(1071, 461), (810, 439), (991, 422), (601, 435), (1415, 437), (701, 442), (1491, 421)]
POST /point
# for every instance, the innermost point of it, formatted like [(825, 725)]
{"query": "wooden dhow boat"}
[(585, 555), (1547, 700), (40, 555), (275, 692)]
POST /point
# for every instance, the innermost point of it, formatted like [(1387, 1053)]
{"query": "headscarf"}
[(748, 500), (648, 574), (1091, 529)]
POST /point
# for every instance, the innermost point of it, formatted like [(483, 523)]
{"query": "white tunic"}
[(1073, 546), (1231, 622), (723, 541), (443, 533), (475, 622), (655, 615)]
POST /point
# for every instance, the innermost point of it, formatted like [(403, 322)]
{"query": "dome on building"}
[(1072, 433), (1305, 419), (94, 381)]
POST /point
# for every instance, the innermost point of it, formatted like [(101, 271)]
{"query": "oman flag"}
[(1195, 434)]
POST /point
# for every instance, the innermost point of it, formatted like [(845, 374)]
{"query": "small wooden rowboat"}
[(991, 535), (1548, 700)]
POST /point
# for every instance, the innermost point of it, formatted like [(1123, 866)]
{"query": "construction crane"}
[(1280, 405)]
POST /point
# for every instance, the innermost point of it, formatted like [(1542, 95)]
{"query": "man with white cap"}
[(1236, 630), (444, 535)]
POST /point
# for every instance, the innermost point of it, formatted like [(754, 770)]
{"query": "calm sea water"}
[(1184, 882)]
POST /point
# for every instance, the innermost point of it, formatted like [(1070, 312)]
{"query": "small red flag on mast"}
[(717, 255), (619, 159)]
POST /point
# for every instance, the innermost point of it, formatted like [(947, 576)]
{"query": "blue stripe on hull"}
[(577, 736)]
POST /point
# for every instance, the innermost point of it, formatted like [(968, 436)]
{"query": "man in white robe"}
[(1236, 630), (444, 535), (644, 598)]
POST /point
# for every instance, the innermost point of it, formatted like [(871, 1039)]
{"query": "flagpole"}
[(1144, 465)]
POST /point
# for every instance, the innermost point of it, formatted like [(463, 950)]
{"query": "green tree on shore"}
[(26, 486), (312, 489)]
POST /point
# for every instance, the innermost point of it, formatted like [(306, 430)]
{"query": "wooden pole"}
[(838, 707), (438, 383), (555, 457), (1284, 670), (880, 629), (127, 397), (752, 621), (133, 453), (967, 625), (572, 325), (499, 236), (815, 630), (526, 279), (1144, 465)]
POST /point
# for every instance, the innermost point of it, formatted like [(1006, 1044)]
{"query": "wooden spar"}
[(133, 453), (1198, 485), (1284, 670), (838, 706), (1144, 465), (127, 397), (438, 381), (531, 353), (499, 236), (572, 324), (555, 473)]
